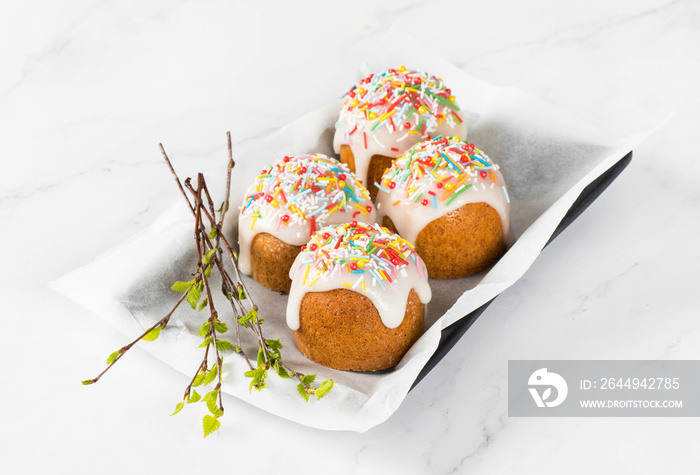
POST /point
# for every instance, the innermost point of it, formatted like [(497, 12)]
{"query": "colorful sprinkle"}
[(358, 248), (444, 167), (392, 97), (303, 190)]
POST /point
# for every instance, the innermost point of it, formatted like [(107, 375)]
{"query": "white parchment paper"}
[(547, 158)]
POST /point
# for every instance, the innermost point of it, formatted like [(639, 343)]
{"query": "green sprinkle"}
[(457, 194)]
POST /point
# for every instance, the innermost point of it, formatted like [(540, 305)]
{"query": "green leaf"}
[(208, 255), (204, 329), (205, 343), (220, 327), (181, 286), (207, 271), (241, 294), (113, 357), (211, 374), (302, 390), (211, 395), (281, 372), (247, 317), (199, 379), (153, 334), (193, 296), (274, 344), (210, 424), (213, 233), (308, 379), (204, 303), (87, 382), (214, 407), (194, 397), (179, 407), (261, 356), (258, 375), (324, 388), (225, 345)]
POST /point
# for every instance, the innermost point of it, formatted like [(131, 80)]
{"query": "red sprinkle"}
[(394, 149), (424, 202), (392, 185), (484, 174)]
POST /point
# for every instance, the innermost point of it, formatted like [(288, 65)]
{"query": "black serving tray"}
[(452, 334)]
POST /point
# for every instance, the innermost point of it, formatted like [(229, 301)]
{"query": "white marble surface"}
[(87, 91)]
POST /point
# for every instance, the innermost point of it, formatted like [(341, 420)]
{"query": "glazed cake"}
[(287, 203), (358, 297), (451, 200), (389, 112)]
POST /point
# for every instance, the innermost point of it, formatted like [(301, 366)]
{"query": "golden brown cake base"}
[(270, 261), (342, 329), (377, 165), (460, 243)]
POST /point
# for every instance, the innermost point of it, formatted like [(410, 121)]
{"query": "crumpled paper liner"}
[(547, 158)]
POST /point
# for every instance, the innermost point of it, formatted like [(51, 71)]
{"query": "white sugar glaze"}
[(410, 215), (389, 298), (385, 93), (261, 216)]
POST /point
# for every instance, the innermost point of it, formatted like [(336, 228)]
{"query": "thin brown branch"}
[(162, 322)]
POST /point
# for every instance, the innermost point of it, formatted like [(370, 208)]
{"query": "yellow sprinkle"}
[(402, 68), (364, 289), (347, 285), (364, 210), (306, 274), (452, 98), (372, 115), (386, 115), (456, 138), (314, 281), (255, 218)]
